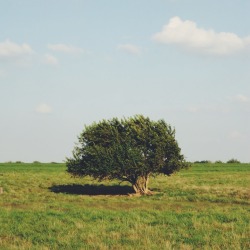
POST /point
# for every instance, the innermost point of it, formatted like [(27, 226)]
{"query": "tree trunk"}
[(141, 185)]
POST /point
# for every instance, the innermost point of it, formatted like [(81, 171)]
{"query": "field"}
[(205, 207)]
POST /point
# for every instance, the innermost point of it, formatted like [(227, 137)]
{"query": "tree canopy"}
[(128, 150)]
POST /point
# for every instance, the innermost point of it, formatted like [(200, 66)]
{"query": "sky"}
[(66, 64)]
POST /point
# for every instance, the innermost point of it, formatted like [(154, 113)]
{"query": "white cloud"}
[(188, 35), (129, 48), (193, 109), (9, 50), (241, 98), (49, 59), (43, 108), (69, 49), (235, 135)]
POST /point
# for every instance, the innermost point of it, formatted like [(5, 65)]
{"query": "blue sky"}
[(67, 63)]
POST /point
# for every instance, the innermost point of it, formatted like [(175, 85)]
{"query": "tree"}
[(233, 161), (130, 150)]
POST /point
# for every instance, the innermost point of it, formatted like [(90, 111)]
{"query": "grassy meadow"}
[(205, 207)]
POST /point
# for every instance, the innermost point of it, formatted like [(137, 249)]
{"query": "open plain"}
[(204, 207)]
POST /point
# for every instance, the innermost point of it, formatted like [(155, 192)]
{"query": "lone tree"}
[(128, 150)]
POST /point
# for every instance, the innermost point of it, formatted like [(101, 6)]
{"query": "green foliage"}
[(203, 162), (218, 161), (127, 150), (233, 161)]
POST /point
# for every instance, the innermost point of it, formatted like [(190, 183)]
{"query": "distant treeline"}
[(229, 161), (200, 162), (34, 162)]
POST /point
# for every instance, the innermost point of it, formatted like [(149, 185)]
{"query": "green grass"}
[(205, 207)]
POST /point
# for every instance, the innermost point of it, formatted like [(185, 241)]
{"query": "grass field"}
[(205, 207)]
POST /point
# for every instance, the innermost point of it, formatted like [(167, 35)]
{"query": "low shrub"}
[(219, 161), (203, 162), (233, 161)]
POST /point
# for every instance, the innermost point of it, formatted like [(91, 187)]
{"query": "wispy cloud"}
[(129, 48), (193, 109), (13, 51), (235, 135), (51, 60), (43, 108), (241, 98), (69, 49), (188, 35)]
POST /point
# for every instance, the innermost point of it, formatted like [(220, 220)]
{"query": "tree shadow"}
[(92, 189)]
